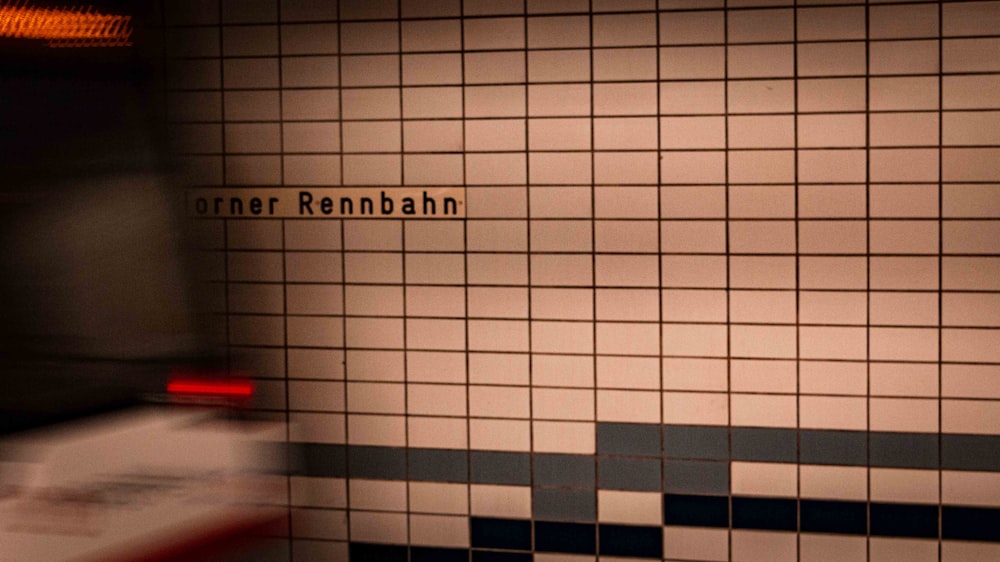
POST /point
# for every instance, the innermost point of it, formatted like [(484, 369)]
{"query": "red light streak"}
[(230, 388), (65, 27)]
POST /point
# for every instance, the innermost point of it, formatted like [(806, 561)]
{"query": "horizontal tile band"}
[(514, 539), (678, 443), (371, 552), (567, 537), (831, 516)]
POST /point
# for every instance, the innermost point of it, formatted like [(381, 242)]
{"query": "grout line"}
[(593, 275), (868, 297), (222, 161), (729, 335), (342, 231), (798, 292), (402, 258), (868, 300), (659, 290), (609, 115), (465, 285), (284, 294), (940, 279), (528, 220)]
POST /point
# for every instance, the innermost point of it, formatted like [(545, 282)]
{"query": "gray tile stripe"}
[(695, 477), (631, 439), (904, 450), (626, 473), (694, 458), (834, 447), (488, 467), (696, 442), (577, 471), (761, 444), (971, 452), (561, 504), (439, 465)]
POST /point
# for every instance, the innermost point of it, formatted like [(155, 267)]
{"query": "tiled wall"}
[(727, 287)]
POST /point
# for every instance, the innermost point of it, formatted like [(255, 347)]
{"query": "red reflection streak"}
[(235, 388)]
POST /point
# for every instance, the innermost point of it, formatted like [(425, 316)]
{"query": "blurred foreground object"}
[(153, 484), (97, 294), (98, 309)]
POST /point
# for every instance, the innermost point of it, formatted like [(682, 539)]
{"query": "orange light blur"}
[(65, 27)]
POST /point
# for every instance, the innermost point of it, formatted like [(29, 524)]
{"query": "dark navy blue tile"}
[(843, 517), (970, 523), (904, 450), (439, 465), (365, 552), (487, 556), (695, 511), (574, 538), (624, 540), (696, 477), (576, 471), (632, 439), (433, 554), (322, 460), (635, 474), (970, 452), (772, 514), (512, 534), (695, 442), (846, 448), (490, 467), (764, 444), (904, 520), (382, 463)]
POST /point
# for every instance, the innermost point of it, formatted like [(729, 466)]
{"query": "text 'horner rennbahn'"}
[(334, 202)]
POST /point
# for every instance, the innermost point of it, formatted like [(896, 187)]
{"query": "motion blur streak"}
[(65, 27), (210, 388)]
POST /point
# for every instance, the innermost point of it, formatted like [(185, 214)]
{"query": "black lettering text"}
[(433, 205), (305, 203)]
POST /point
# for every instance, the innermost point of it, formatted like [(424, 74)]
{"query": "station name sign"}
[(327, 202)]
